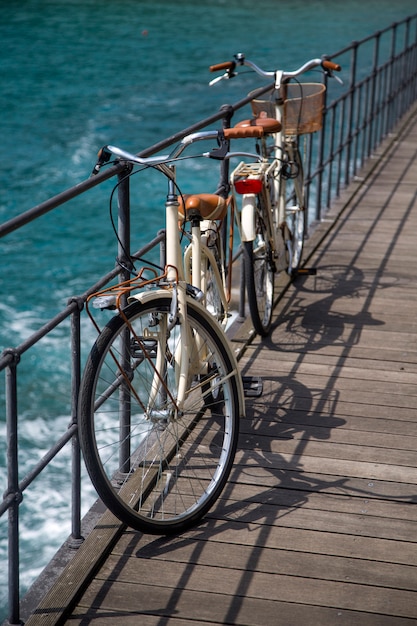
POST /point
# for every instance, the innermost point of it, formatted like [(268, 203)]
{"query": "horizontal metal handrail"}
[(69, 194), (356, 120)]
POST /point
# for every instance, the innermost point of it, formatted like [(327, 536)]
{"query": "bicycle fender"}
[(147, 296), (247, 217)]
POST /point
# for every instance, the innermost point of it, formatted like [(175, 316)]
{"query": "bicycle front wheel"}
[(295, 213), (260, 271), (159, 468)]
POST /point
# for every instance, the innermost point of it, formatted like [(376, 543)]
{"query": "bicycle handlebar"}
[(230, 66), (220, 152)]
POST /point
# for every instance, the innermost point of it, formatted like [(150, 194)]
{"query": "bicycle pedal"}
[(252, 386), (306, 271)]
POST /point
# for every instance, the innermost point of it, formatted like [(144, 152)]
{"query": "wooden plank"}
[(299, 486), (83, 565), (109, 618), (320, 389), (322, 424), (221, 609), (291, 498), (370, 441), (402, 459), (355, 524), (357, 358), (244, 583), (300, 339), (304, 463), (261, 560), (255, 531), (398, 379)]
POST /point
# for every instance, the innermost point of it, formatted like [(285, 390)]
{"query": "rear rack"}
[(253, 170)]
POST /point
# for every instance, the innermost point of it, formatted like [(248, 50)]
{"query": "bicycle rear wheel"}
[(157, 469), (295, 213), (211, 286), (260, 271)]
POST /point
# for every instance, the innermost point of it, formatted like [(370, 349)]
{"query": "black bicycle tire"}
[(259, 280), (297, 219), (97, 472)]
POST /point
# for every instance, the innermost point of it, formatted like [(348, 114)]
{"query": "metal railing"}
[(381, 88)]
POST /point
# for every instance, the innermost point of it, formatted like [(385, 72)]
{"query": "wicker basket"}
[(303, 107)]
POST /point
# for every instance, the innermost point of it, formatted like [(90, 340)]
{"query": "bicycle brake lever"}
[(222, 150), (224, 76), (331, 74)]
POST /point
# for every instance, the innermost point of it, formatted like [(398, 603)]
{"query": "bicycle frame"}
[(189, 357), (184, 286)]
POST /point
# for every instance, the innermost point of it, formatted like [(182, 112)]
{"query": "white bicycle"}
[(273, 214), (161, 395)]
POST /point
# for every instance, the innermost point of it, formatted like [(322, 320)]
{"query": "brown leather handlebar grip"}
[(329, 65), (227, 65)]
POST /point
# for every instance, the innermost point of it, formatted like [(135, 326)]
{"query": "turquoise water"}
[(77, 74)]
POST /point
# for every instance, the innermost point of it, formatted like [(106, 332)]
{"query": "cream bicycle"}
[(161, 395), (273, 214)]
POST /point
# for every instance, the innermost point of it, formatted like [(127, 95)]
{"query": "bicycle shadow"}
[(268, 484), (312, 323), (273, 439), (269, 480), (275, 482)]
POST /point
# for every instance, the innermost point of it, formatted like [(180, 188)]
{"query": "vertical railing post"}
[(340, 165), (372, 116), (124, 259), (351, 108), (223, 190), (412, 62), (308, 160), (389, 113), (123, 224), (320, 159), (406, 63), (224, 184), (13, 487), (76, 537), (242, 285), (330, 158)]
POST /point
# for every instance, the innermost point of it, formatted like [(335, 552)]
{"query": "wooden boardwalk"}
[(318, 524)]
